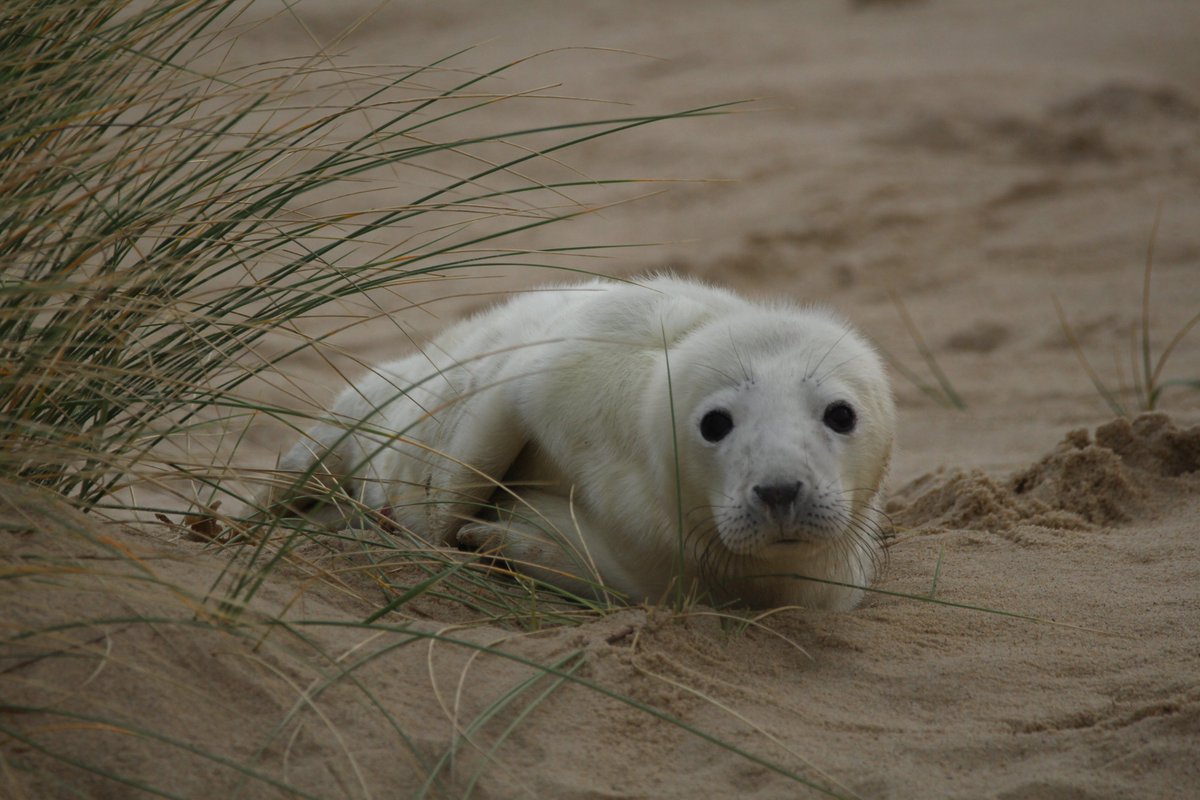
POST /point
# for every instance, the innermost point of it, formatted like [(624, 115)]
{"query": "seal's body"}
[(605, 437)]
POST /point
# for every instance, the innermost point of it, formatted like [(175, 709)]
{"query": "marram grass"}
[(158, 221)]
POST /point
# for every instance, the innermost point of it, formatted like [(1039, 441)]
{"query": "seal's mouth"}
[(778, 538), (793, 547), (798, 534), (794, 540)]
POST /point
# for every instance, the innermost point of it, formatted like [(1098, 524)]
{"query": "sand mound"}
[(1082, 483)]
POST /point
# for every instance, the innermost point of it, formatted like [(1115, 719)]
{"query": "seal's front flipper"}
[(539, 536), (309, 482)]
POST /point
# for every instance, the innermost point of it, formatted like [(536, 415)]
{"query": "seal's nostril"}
[(779, 495)]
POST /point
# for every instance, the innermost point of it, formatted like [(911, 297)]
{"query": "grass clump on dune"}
[(160, 219)]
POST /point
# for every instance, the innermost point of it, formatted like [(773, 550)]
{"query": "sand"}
[(975, 160)]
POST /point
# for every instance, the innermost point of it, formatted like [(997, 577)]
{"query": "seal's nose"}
[(778, 497)]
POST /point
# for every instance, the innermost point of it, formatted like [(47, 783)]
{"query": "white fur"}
[(564, 399)]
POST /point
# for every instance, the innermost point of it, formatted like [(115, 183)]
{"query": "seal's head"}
[(787, 441)]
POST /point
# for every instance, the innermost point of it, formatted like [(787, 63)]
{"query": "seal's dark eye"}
[(840, 417), (716, 425)]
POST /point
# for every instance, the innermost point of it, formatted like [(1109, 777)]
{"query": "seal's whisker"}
[(809, 373), (859, 490), (733, 379), (836, 367), (868, 528)]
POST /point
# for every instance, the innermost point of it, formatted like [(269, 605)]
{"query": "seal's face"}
[(794, 451)]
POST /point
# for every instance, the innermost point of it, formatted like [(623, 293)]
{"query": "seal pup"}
[(613, 438)]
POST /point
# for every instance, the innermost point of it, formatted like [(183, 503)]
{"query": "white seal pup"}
[(614, 438)]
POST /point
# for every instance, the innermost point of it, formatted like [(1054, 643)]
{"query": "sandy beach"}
[(943, 173)]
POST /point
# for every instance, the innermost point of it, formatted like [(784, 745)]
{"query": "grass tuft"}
[(944, 394), (165, 226), (1148, 383)]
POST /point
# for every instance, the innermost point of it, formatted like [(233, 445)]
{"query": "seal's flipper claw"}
[(482, 537)]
